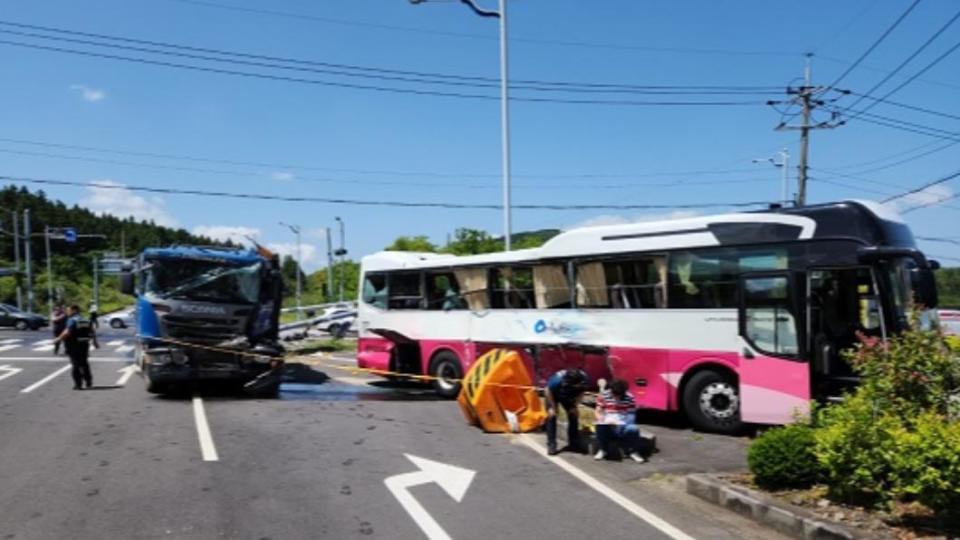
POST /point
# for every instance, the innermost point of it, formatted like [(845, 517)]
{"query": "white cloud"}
[(115, 199), (319, 234), (283, 249), (925, 197), (224, 233), (89, 93), (613, 219), (282, 176)]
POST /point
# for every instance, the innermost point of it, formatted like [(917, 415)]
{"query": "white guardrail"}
[(346, 304)]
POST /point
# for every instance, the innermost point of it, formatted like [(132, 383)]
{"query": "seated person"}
[(616, 413)]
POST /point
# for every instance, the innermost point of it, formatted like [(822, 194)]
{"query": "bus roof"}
[(866, 222), (232, 255)]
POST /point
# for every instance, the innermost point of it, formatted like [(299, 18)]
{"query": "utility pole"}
[(342, 253), (807, 98), (16, 256), (329, 265), (123, 243), (46, 239), (27, 253), (96, 282)]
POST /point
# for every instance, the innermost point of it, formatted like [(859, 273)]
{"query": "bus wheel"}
[(711, 402), (445, 366)]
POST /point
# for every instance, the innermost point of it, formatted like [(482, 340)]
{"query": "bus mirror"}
[(934, 265), (127, 283)]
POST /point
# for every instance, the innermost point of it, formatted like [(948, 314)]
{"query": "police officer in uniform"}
[(77, 337)]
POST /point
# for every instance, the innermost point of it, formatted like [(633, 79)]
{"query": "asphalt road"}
[(116, 462)]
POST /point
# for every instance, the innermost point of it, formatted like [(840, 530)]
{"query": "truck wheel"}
[(711, 401), (446, 367)]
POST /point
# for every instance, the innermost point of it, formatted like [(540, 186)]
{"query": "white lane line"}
[(10, 341), (115, 343), (45, 380), (207, 448), (4, 348), (61, 359), (652, 519), (124, 349), (9, 371), (127, 372), (44, 342), (43, 348)]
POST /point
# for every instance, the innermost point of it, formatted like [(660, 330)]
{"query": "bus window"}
[(551, 287), (637, 283), (375, 290), (513, 288), (443, 292), (473, 287), (404, 292), (703, 279), (770, 325), (592, 286)]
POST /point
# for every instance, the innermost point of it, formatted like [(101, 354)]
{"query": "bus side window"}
[(375, 290), (551, 287), (513, 288), (443, 292), (703, 279), (637, 283), (405, 291), (592, 286)]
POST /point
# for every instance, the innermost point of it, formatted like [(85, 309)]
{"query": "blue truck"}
[(207, 313)]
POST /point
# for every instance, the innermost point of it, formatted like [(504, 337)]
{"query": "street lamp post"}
[(504, 109), (783, 166), (296, 231)]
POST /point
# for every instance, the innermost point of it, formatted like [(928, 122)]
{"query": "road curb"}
[(764, 510)]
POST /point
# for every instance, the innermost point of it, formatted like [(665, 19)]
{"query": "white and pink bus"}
[(730, 318)]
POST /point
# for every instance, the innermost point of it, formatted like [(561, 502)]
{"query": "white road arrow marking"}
[(115, 343), (10, 371), (45, 380), (454, 480), (124, 348), (127, 373)]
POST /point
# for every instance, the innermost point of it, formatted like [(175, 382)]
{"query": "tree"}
[(473, 242), (948, 286), (418, 243)]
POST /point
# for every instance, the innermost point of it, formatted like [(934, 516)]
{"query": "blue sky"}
[(322, 141)]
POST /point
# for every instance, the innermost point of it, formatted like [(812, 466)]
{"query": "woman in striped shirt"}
[(616, 416)]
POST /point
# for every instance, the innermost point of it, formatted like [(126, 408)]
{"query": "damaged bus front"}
[(207, 313)]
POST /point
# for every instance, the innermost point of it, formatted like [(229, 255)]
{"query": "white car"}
[(950, 321), (120, 319), (336, 318)]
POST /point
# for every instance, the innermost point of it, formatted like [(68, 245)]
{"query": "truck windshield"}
[(209, 281)]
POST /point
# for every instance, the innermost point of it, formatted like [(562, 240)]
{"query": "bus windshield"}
[(209, 281), (903, 276)]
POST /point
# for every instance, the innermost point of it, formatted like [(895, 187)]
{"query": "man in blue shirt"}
[(564, 389), (77, 337)]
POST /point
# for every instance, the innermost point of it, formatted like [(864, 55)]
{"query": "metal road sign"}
[(70, 235)]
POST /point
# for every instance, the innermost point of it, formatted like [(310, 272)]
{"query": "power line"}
[(580, 186), (381, 172), (905, 62), (901, 105), (870, 119), (394, 90), (875, 69), (932, 130), (459, 79), (360, 202), (876, 43), (912, 78), (924, 186), (941, 240), (532, 41), (923, 146)]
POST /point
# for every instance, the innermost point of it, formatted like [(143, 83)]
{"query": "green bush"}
[(783, 458), (855, 446), (928, 468)]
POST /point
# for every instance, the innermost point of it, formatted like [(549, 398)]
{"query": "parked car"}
[(21, 320), (336, 319), (120, 319)]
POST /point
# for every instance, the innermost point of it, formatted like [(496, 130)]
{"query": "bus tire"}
[(445, 366), (711, 401)]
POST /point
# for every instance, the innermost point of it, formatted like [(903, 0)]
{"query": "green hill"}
[(73, 263)]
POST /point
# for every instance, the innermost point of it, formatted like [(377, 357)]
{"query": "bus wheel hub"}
[(719, 400)]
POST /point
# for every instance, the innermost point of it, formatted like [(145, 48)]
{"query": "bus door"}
[(774, 376), (843, 307)]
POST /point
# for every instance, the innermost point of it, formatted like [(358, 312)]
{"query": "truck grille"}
[(203, 330)]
